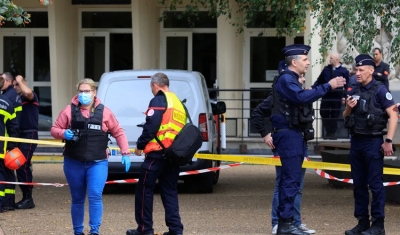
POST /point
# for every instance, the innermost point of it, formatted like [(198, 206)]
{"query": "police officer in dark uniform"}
[(28, 129), (368, 108), (9, 126), (289, 123), (382, 69), (331, 103), (158, 124)]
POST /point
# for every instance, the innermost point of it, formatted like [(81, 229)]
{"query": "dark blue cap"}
[(281, 66), (296, 49), (364, 59)]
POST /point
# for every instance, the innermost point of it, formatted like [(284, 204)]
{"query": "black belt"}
[(27, 131), (284, 129)]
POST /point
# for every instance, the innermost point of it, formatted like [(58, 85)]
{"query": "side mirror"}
[(218, 107)]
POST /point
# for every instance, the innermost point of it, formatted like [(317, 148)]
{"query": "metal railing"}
[(241, 102)]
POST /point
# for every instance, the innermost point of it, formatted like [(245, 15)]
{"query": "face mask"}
[(85, 99)]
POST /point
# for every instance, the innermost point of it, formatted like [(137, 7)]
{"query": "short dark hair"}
[(8, 76), (377, 48)]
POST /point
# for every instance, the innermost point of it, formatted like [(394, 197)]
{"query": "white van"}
[(128, 93)]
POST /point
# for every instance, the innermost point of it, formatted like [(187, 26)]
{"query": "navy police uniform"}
[(8, 127), (28, 129), (331, 103), (154, 167), (367, 122), (288, 139)]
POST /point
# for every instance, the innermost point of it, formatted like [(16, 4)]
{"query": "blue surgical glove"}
[(68, 134), (127, 161)]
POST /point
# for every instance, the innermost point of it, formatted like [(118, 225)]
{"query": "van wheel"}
[(216, 173), (205, 183)]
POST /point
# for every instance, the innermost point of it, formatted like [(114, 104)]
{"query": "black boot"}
[(377, 228), (286, 227), (363, 225), (26, 202)]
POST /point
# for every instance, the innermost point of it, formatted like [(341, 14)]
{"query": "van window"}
[(129, 99)]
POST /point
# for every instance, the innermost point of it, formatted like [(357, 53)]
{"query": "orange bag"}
[(14, 159)]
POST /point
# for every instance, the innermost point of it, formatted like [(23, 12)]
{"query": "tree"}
[(359, 21), (10, 12)]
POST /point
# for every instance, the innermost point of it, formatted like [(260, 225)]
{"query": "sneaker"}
[(274, 229), (303, 227)]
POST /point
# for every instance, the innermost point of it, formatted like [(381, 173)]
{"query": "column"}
[(146, 34), (316, 67), (63, 36), (230, 70)]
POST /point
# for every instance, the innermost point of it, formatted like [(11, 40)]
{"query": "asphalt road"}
[(240, 204)]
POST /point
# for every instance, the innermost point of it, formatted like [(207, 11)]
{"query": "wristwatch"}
[(388, 140)]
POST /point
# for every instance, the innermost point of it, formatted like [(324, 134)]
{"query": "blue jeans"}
[(81, 177), (297, 200)]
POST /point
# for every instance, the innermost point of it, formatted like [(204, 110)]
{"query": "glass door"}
[(94, 52), (176, 50), (15, 53)]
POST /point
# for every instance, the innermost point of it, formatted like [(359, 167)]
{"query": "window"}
[(265, 54), (263, 20), (111, 20), (178, 20), (39, 19)]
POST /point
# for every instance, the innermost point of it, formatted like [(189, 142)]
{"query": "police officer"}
[(160, 123), (331, 103), (28, 129), (9, 126), (289, 124), (382, 69), (368, 108)]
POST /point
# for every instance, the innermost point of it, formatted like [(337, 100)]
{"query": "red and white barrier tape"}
[(349, 181), (195, 172)]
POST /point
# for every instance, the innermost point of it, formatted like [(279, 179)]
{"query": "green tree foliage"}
[(10, 12), (360, 21)]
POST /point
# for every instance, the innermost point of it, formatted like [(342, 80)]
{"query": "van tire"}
[(216, 173), (205, 182)]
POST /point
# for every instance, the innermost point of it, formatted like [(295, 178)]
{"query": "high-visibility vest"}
[(174, 118)]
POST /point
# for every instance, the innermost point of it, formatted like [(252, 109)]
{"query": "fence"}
[(241, 102)]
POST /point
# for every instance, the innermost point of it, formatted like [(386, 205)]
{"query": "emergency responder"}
[(289, 125), (9, 92), (382, 69), (9, 127), (162, 124), (368, 108), (28, 129), (331, 102), (85, 126), (263, 126)]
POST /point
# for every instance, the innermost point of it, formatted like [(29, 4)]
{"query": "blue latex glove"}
[(68, 134), (127, 161)]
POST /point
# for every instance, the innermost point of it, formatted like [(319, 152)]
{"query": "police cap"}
[(296, 49), (364, 59)]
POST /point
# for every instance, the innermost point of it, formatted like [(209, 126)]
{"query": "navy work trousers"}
[(291, 148), (24, 173), (330, 110), (366, 159), (155, 167)]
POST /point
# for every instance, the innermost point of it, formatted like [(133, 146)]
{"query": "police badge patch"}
[(389, 96)]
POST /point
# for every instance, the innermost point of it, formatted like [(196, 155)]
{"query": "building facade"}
[(74, 39)]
